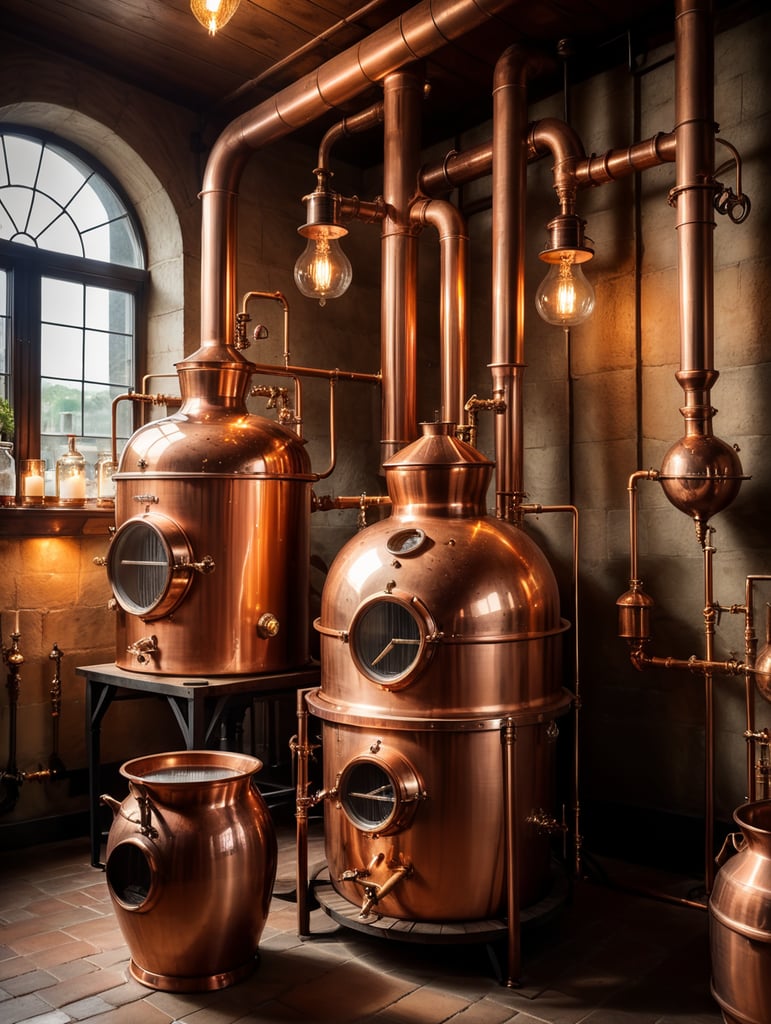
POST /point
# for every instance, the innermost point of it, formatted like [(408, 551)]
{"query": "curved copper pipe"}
[(453, 247), (415, 34)]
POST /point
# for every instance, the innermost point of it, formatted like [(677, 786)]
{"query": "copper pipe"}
[(302, 751), (508, 271), (620, 163), (352, 125), (511, 831), (750, 652), (403, 93), (709, 720), (413, 35), (599, 169), (577, 837), (563, 143), (280, 298), (453, 246)]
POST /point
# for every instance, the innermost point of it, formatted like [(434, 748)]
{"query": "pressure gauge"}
[(149, 566), (391, 638)]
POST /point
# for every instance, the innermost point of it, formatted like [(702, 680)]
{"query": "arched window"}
[(72, 280)]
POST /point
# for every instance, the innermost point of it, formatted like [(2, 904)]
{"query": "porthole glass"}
[(388, 640), (148, 565), (369, 796), (379, 795)]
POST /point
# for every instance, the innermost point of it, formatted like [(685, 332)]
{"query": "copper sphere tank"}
[(209, 564), (439, 626)]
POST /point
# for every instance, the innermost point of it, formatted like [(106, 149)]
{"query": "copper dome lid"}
[(438, 474)]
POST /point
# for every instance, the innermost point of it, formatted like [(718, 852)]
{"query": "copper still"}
[(740, 911), (190, 866), (209, 565), (440, 627)]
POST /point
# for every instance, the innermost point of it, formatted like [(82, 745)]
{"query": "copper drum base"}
[(190, 866), (438, 933)]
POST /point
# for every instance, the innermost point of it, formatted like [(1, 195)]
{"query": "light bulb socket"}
[(566, 236), (321, 215)]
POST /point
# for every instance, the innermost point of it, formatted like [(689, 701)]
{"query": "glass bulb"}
[(565, 297), (323, 271), (213, 14)]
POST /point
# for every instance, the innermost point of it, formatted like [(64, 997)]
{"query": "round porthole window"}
[(379, 796), (149, 566), (389, 639)]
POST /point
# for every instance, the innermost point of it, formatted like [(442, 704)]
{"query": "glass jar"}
[(7, 474), (33, 482), (71, 476), (105, 485)]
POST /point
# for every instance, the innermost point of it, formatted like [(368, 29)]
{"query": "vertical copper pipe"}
[(694, 135), (402, 98), (508, 271), (709, 720), (511, 838), (301, 815), (453, 247)]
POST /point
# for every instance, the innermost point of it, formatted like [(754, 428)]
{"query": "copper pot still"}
[(190, 865), (438, 625), (209, 564), (740, 920)]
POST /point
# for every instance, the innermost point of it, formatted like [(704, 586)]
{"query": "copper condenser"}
[(440, 632)]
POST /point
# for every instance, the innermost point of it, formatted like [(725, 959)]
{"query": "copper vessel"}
[(190, 865), (439, 626), (740, 916), (210, 561)]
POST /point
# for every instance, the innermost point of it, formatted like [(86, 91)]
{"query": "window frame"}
[(26, 266)]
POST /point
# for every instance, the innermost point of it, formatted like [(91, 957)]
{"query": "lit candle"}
[(16, 622), (34, 486), (72, 488)]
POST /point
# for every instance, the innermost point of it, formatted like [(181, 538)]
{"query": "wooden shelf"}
[(54, 521)]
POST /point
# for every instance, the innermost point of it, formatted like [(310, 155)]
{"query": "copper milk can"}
[(190, 866), (740, 921)]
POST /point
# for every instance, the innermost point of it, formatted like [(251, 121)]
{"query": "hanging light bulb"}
[(213, 14), (323, 271), (565, 297)]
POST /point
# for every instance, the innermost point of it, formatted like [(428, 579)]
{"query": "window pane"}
[(59, 177), (61, 351), (16, 203), (23, 159), (62, 301), (62, 236), (108, 358)]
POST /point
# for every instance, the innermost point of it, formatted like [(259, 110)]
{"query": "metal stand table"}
[(200, 706)]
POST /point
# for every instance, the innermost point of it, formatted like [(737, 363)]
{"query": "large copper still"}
[(210, 561), (439, 627)]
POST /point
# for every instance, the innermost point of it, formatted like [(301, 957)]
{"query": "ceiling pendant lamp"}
[(214, 14)]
